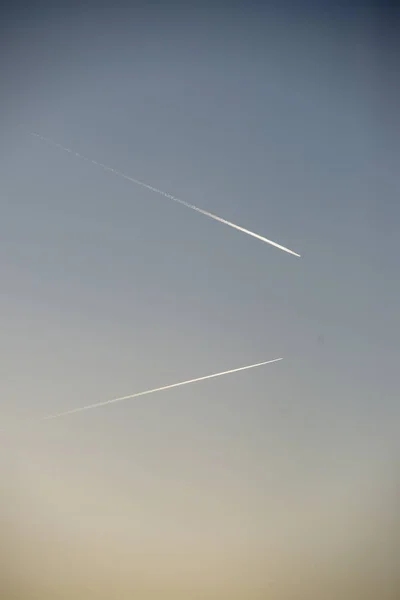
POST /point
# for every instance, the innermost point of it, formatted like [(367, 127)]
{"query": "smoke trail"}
[(169, 196), (153, 391)]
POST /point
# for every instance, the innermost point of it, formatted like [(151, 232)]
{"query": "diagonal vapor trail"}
[(166, 195), (153, 391)]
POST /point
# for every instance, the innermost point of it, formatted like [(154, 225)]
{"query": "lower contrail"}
[(153, 391), (169, 196)]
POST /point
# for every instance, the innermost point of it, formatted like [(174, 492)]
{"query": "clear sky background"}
[(282, 122)]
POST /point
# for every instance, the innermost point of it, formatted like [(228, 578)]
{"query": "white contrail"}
[(153, 391), (178, 200)]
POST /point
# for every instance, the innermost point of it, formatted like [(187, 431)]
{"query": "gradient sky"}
[(280, 122)]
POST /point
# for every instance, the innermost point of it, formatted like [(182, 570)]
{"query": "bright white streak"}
[(169, 196), (153, 391)]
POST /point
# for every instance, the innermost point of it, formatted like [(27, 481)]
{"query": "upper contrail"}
[(166, 195), (153, 391)]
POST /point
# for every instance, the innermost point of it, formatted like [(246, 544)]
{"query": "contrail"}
[(166, 195), (153, 391)]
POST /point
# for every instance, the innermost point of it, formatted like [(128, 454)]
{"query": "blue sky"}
[(272, 121)]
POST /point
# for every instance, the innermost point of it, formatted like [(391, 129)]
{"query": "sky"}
[(280, 120)]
